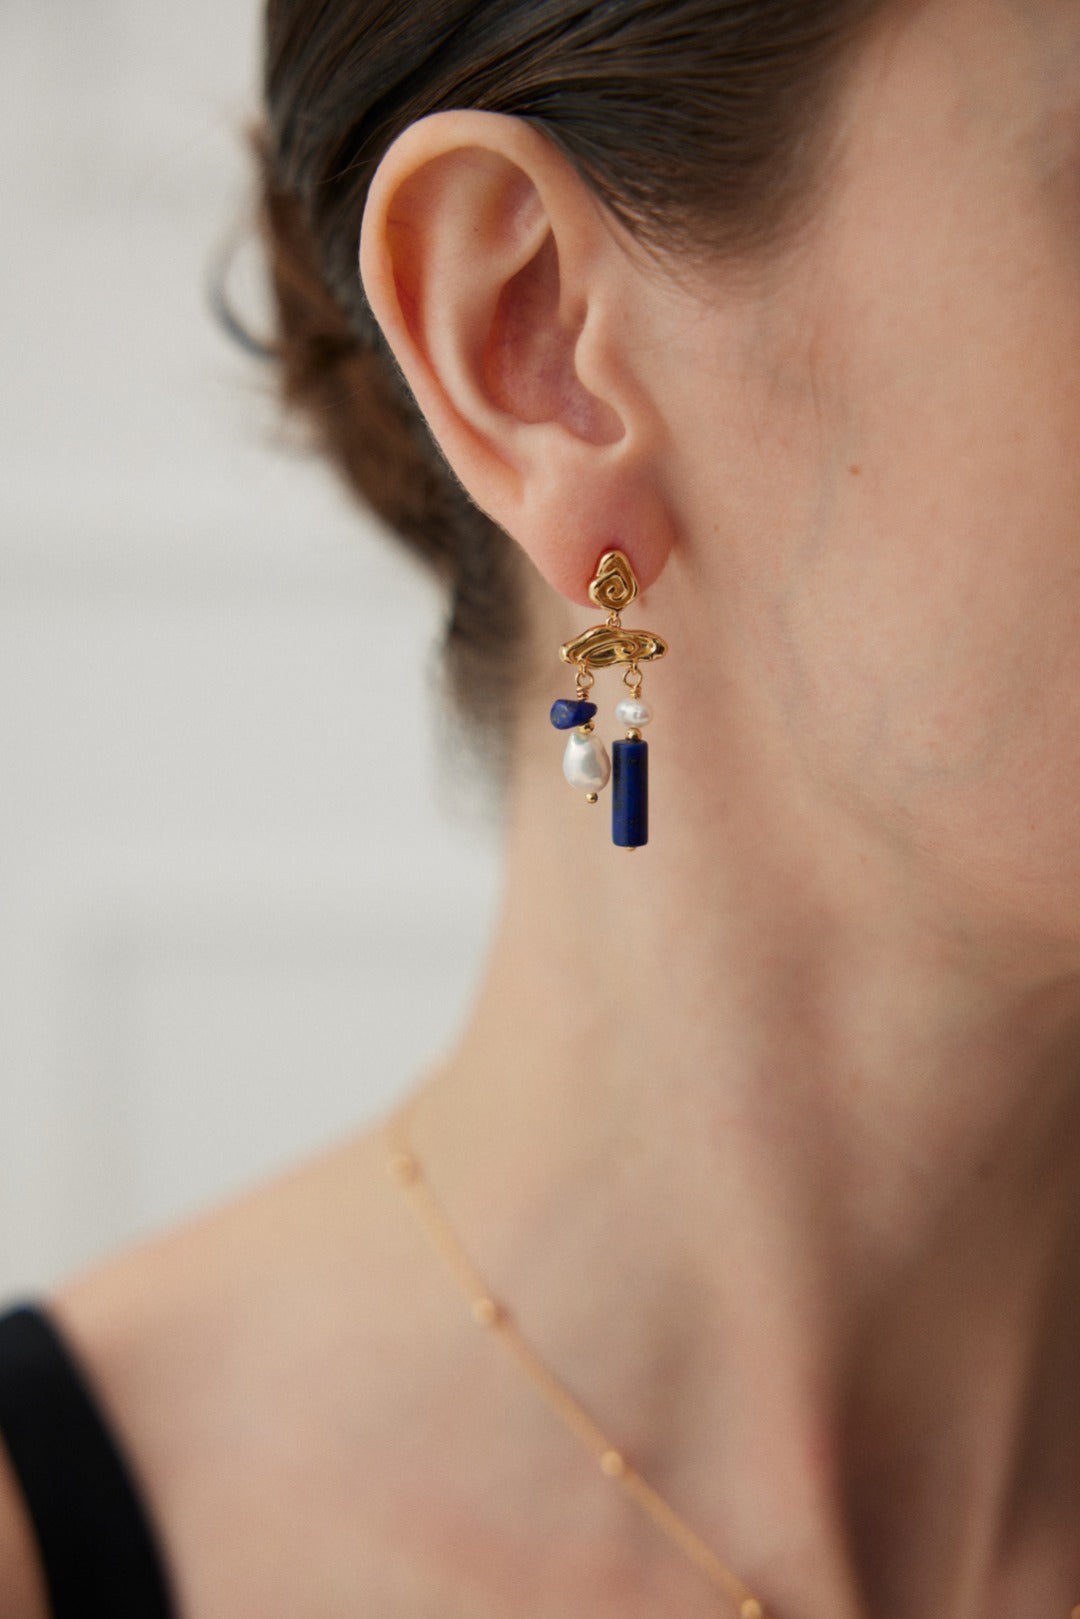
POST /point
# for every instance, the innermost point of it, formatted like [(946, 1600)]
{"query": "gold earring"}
[(585, 761)]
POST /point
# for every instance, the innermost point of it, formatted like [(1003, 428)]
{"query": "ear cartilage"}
[(585, 760)]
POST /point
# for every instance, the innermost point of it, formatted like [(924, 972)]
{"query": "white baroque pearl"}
[(585, 762), (632, 711)]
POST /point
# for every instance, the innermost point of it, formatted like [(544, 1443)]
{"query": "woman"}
[(766, 1140)]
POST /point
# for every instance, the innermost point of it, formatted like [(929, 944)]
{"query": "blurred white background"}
[(233, 919)]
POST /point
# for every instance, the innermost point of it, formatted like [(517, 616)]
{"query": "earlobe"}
[(496, 280)]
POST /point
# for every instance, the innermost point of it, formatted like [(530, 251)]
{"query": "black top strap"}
[(97, 1547)]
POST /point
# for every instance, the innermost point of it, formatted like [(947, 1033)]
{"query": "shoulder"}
[(242, 1363), (22, 1590)]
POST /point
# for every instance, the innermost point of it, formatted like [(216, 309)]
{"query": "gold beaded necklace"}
[(488, 1312), (406, 1172)]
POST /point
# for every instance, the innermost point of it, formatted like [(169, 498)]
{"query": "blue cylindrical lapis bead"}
[(630, 794)]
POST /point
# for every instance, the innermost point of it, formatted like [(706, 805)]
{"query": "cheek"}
[(926, 621)]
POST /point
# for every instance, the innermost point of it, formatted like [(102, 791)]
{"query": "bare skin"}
[(770, 1134)]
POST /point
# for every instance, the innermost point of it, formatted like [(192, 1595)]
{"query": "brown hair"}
[(695, 121)]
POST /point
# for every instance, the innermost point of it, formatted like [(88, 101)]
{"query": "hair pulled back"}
[(695, 121)]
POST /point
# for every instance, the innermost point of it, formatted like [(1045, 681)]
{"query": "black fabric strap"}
[(97, 1547)]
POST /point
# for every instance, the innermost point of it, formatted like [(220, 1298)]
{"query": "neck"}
[(837, 1145)]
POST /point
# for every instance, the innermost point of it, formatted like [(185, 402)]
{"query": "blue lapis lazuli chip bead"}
[(630, 794), (568, 713)]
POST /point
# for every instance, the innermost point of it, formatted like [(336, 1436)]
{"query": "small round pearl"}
[(632, 711), (585, 762)]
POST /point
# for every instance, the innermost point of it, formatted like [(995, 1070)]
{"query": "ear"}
[(509, 297)]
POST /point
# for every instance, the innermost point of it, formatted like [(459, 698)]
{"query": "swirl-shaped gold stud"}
[(614, 586)]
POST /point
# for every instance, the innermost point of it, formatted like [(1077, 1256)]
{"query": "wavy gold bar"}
[(606, 645)]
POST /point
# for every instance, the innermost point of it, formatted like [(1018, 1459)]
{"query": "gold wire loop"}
[(633, 679)]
